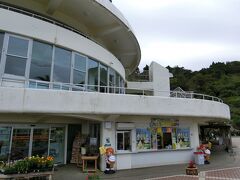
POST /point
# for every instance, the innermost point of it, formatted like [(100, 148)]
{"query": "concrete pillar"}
[(107, 134)]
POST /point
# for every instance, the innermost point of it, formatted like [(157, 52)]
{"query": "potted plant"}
[(191, 169), (27, 165)]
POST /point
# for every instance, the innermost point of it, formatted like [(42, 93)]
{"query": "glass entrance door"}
[(40, 142), (57, 144), (20, 143)]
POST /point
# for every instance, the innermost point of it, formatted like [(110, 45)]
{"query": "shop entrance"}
[(83, 140), (18, 142)]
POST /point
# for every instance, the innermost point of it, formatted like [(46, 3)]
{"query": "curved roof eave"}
[(99, 20), (112, 9)]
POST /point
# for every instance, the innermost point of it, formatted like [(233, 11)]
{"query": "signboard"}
[(164, 123)]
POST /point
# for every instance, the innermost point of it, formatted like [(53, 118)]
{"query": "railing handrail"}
[(39, 84)]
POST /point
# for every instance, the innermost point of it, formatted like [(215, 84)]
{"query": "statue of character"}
[(110, 160)]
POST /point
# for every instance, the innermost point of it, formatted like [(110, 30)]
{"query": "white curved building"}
[(62, 72)]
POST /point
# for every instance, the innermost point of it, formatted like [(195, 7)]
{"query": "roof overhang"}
[(99, 20)]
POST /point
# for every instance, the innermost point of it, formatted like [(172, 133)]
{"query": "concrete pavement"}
[(219, 160)]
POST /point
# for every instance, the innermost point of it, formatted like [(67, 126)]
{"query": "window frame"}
[(130, 141), (27, 59), (105, 87), (112, 84), (51, 62), (54, 65), (73, 68), (93, 87)]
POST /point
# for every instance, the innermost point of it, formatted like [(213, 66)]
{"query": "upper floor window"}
[(93, 75), (41, 62), (103, 78), (122, 85), (62, 65), (117, 83), (79, 69), (111, 80), (17, 55)]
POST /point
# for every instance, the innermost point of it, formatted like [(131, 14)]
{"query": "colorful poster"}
[(143, 139), (183, 137)]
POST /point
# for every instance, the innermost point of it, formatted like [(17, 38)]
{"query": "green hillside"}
[(220, 79)]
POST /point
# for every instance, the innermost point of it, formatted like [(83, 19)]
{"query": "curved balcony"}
[(70, 102), (98, 20)]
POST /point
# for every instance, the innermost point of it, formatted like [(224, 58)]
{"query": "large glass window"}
[(20, 143), (64, 69), (1, 44), (122, 85), (124, 140), (62, 65), (92, 75), (79, 70), (17, 54), (117, 83), (111, 80), (40, 142), (103, 78), (40, 68), (5, 136)]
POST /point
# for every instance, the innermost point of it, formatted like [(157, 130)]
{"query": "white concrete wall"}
[(21, 100), (41, 30), (161, 158), (148, 158), (159, 81), (160, 77)]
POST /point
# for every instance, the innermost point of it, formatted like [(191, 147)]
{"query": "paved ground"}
[(223, 166), (220, 174)]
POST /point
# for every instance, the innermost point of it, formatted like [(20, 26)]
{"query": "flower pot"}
[(191, 171)]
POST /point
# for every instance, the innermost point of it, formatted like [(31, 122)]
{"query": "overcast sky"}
[(185, 33)]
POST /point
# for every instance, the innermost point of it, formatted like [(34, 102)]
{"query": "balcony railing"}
[(37, 84)]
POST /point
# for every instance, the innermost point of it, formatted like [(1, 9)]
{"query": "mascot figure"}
[(110, 160)]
